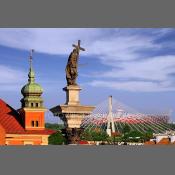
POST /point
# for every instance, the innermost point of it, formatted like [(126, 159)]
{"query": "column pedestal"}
[(72, 94), (72, 113), (73, 135)]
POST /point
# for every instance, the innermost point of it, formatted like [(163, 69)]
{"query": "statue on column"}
[(72, 65)]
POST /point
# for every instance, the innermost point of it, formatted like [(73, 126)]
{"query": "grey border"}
[(87, 13), (87, 160)]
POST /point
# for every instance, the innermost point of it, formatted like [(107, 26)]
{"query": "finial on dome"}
[(31, 57), (31, 71)]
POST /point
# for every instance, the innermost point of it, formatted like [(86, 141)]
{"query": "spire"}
[(31, 74), (32, 91)]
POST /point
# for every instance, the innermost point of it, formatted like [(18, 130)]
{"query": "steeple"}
[(32, 108), (32, 91), (31, 74)]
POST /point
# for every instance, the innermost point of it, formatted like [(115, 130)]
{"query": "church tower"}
[(32, 108)]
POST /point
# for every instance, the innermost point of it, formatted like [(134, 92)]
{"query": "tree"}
[(86, 135), (148, 135), (99, 136), (54, 126), (57, 139), (135, 134), (126, 129), (94, 135)]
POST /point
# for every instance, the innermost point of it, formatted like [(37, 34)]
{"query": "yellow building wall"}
[(18, 139)]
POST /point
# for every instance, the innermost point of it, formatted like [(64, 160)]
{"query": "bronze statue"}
[(72, 65)]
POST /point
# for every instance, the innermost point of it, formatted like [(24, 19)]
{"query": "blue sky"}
[(136, 66)]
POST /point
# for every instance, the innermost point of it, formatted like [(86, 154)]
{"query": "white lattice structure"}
[(112, 115)]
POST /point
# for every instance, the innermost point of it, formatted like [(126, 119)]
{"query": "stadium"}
[(112, 116)]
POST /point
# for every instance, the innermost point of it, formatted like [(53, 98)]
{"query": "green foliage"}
[(57, 139), (93, 135), (128, 135), (117, 139), (135, 136), (86, 135), (148, 135), (54, 126), (171, 125), (99, 136), (114, 139), (126, 129)]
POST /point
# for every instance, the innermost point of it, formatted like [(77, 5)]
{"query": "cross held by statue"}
[(78, 47)]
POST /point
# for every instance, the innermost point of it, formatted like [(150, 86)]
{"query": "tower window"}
[(31, 104), (37, 123), (37, 104), (32, 123)]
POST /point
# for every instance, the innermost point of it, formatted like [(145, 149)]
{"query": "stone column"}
[(72, 94), (72, 113)]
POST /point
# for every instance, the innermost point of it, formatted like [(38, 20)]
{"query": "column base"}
[(73, 135)]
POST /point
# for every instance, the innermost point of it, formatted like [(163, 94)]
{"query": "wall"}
[(16, 139), (2, 135)]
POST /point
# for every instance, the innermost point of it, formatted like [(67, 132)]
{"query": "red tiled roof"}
[(42, 132), (164, 141), (149, 143), (10, 121)]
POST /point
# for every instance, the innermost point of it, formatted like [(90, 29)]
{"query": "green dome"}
[(32, 88), (32, 91)]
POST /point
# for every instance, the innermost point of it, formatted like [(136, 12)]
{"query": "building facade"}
[(25, 126)]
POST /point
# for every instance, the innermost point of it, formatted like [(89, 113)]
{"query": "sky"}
[(136, 66)]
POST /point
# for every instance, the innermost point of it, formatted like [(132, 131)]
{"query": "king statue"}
[(72, 65)]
